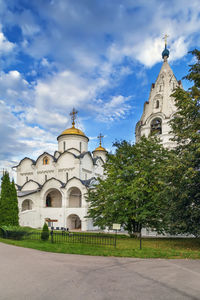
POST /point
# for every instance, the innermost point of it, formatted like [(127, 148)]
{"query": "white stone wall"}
[(73, 141)]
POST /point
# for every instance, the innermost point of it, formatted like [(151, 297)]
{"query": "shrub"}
[(13, 232), (45, 232)]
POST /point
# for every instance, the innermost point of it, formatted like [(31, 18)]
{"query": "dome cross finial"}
[(73, 116), (165, 38), (165, 53), (100, 137)]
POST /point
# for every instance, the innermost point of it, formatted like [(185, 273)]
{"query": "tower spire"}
[(165, 53)]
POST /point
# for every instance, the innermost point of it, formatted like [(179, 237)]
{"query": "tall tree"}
[(184, 172), (130, 193), (8, 202)]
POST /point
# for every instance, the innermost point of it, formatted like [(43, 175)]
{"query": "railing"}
[(69, 237)]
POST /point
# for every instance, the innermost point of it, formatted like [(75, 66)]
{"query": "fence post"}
[(52, 236)]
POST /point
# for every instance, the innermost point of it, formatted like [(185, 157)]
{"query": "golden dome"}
[(73, 131), (100, 149)]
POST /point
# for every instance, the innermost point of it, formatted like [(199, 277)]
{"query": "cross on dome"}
[(73, 116), (165, 53), (100, 137), (165, 38)]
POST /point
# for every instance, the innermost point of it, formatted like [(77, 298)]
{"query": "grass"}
[(126, 247)]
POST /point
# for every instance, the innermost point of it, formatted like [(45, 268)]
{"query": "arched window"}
[(53, 199), (157, 103), (75, 197), (27, 205), (156, 126), (45, 160)]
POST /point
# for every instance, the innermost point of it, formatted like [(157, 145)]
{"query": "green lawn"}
[(126, 247)]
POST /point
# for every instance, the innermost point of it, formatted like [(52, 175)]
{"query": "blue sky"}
[(99, 56)]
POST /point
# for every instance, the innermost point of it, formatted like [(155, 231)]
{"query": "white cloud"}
[(5, 46), (116, 108)]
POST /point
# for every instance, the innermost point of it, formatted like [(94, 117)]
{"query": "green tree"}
[(8, 202), (183, 189), (130, 193), (45, 232)]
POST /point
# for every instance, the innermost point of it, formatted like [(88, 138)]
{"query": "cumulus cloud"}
[(5, 46), (112, 110)]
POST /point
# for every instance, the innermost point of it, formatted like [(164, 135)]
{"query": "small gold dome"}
[(100, 149)]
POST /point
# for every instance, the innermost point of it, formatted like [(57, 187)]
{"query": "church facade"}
[(160, 107), (54, 187)]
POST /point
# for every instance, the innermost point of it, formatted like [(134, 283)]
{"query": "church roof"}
[(73, 131), (100, 148)]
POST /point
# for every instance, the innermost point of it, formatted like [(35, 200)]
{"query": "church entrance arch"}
[(53, 198), (73, 222)]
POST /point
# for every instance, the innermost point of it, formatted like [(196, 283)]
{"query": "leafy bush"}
[(13, 232), (45, 232)]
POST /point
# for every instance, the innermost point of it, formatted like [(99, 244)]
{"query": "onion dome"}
[(100, 148), (165, 52), (73, 131)]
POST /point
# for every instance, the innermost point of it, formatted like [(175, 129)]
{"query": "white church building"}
[(55, 186)]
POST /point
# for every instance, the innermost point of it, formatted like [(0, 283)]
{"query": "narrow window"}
[(64, 146), (80, 147), (67, 177), (160, 88), (45, 177), (157, 104), (26, 178), (45, 160)]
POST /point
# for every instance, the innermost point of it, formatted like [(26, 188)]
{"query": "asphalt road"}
[(31, 274)]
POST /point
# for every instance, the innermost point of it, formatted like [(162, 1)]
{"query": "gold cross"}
[(100, 138), (73, 116), (165, 38)]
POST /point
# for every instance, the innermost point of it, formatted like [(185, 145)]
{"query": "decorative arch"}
[(27, 205), (53, 198), (156, 126), (75, 197), (73, 222)]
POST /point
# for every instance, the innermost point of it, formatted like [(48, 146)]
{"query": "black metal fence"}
[(71, 237)]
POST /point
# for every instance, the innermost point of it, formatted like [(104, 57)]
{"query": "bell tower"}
[(160, 107)]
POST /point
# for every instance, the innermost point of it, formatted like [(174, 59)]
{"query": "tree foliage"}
[(184, 171), (45, 232), (8, 202), (130, 193)]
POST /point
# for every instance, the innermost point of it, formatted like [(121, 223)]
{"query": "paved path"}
[(31, 274)]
